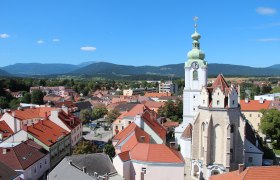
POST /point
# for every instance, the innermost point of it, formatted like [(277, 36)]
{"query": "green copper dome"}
[(196, 54), (196, 36)]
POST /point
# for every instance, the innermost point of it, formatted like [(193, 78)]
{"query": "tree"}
[(110, 150), (266, 89), (85, 147), (85, 116), (99, 112), (3, 102), (112, 115), (26, 98), (14, 103), (37, 97), (270, 124)]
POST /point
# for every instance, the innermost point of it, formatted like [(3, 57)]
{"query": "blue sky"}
[(139, 32)]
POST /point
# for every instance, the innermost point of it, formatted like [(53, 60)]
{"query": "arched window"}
[(195, 75), (202, 132)]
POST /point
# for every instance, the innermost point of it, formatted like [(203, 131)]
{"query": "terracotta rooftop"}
[(137, 109), (169, 124), (133, 132), (32, 113), (154, 95), (47, 132), (124, 156), (153, 104), (251, 173), (68, 104), (254, 105), (159, 153), (70, 120), (150, 117), (5, 129), (187, 132), (21, 156), (221, 83)]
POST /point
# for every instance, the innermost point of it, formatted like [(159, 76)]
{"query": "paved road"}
[(99, 134)]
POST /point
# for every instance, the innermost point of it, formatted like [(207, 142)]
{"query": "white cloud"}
[(88, 48), (55, 40), (40, 41), (3, 36), (266, 11), (268, 39)]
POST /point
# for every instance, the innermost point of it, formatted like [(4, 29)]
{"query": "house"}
[(83, 105), (250, 173), (52, 138), (18, 118), (150, 162), (52, 98), (127, 117), (27, 158), (129, 137), (252, 111), (155, 96), (69, 122), (18, 94), (84, 166), (167, 86), (69, 104)]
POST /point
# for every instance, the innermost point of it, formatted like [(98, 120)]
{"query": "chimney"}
[(4, 151), (142, 139), (84, 169), (65, 109), (46, 115), (70, 162), (261, 100), (15, 121), (246, 100), (24, 127), (240, 168)]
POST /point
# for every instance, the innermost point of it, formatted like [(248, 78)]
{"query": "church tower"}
[(195, 79)]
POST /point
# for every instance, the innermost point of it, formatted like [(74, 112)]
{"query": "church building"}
[(214, 137)]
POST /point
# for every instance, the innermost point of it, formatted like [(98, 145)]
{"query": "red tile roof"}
[(251, 173), (254, 105), (169, 124), (32, 113), (138, 109), (124, 156), (133, 132), (221, 83), (21, 156), (153, 104), (68, 104), (187, 132), (70, 120), (147, 94), (149, 118), (47, 132), (159, 153), (5, 129)]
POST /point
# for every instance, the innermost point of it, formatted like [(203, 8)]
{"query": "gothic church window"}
[(195, 75)]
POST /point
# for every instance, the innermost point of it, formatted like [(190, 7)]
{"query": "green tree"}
[(14, 103), (110, 150), (99, 112), (270, 124), (85, 116), (85, 147), (266, 89), (3, 102), (26, 98), (37, 97), (112, 115)]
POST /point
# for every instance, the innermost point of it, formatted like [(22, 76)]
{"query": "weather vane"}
[(195, 22)]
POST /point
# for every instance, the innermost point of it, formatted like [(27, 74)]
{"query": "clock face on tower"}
[(195, 65)]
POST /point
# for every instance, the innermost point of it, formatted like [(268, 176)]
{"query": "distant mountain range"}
[(105, 69)]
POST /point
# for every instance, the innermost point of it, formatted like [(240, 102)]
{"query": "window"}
[(259, 115), (218, 102), (250, 159), (129, 122), (233, 102), (144, 170), (250, 115), (40, 165), (195, 75), (194, 96), (194, 108), (122, 127), (203, 101), (45, 161), (35, 170)]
